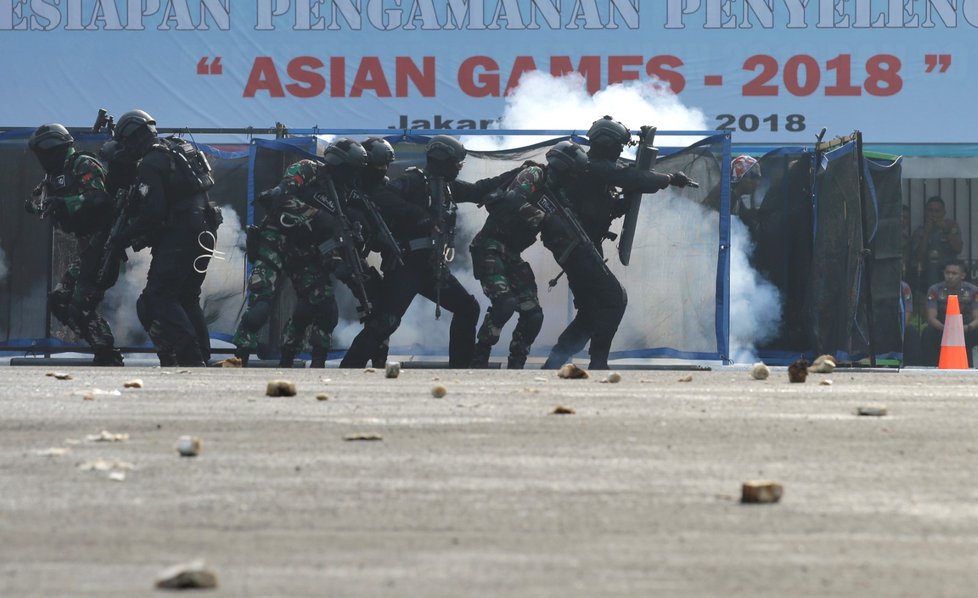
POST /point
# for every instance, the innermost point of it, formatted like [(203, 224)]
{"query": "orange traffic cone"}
[(954, 355)]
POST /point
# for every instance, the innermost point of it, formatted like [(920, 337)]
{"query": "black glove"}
[(679, 179), (271, 198)]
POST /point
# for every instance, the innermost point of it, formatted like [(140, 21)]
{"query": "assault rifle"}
[(554, 204), (348, 243), (108, 270), (376, 222), (443, 236)]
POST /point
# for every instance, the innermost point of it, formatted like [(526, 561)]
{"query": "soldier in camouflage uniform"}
[(298, 238), (73, 194), (511, 227)]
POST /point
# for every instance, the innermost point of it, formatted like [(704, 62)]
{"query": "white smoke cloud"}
[(223, 291), (542, 101), (673, 271), (119, 304)]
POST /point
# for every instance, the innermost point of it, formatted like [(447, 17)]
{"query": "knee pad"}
[(503, 308), (256, 316), (383, 325), (329, 315), (58, 303), (531, 322), (303, 312)]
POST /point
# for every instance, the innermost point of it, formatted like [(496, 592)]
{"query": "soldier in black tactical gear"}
[(176, 220), (306, 234), (373, 178), (599, 296), (420, 209), (73, 193)]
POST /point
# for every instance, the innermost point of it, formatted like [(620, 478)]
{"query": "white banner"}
[(770, 70)]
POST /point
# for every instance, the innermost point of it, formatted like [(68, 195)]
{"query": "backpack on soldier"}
[(190, 163)]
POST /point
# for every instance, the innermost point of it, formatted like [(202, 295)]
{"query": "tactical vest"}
[(190, 172), (66, 184)]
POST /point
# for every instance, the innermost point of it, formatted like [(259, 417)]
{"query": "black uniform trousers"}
[(398, 289), (600, 300), (171, 298)]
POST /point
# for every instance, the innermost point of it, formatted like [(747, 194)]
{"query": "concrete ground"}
[(486, 492)]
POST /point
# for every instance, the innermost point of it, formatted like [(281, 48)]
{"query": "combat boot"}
[(242, 355), (318, 358), (480, 357), (108, 357), (167, 360), (287, 359), (516, 362)]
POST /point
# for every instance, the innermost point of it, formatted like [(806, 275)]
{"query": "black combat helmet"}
[(48, 137), (380, 154), (135, 130), (566, 160), (608, 136), (444, 155), (345, 152), (51, 144)]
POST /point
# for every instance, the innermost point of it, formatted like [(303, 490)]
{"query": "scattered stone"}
[(61, 376), (826, 383), (438, 391), (369, 370), (872, 410), (569, 371), (280, 388), (231, 362), (105, 465), (561, 410), (798, 371), (392, 369), (134, 383), (106, 436), (56, 451), (687, 378), (823, 364), (117, 476), (322, 397), (89, 395), (612, 378), (539, 378), (363, 437), (761, 491), (189, 446), (192, 575), (760, 371)]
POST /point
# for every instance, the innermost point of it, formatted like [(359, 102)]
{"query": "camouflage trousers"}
[(75, 300), (315, 313), (509, 284)]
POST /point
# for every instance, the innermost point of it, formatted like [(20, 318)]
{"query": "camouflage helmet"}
[(48, 137), (744, 166)]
